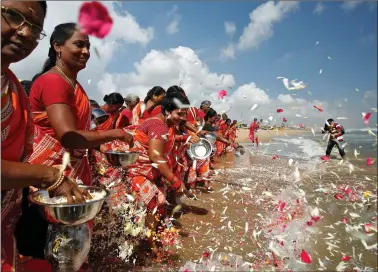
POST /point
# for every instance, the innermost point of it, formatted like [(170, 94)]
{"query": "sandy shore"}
[(266, 135)]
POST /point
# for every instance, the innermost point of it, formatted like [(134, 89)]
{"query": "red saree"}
[(109, 123), (16, 145), (48, 150), (144, 176), (222, 129), (139, 116)]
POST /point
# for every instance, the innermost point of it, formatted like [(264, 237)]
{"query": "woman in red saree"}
[(61, 107), (222, 130), (17, 129), (231, 135), (126, 116), (253, 131), (113, 103), (62, 111), (151, 174), (142, 110)]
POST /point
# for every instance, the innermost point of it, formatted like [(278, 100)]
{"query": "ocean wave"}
[(309, 148), (359, 129)]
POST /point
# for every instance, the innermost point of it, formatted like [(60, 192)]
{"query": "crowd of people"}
[(51, 114)]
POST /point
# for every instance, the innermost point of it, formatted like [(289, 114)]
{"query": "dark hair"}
[(330, 120), (168, 103), (113, 99), (26, 85), (228, 120), (94, 103), (210, 114), (157, 90), (60, 35), (44, 7), (171, 91)]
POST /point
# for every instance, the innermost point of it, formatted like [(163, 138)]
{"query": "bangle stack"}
[(57, 183)]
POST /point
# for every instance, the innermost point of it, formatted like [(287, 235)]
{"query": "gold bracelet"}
[(57, 183)]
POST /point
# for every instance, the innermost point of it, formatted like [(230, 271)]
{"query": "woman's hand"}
[(235, 145), (194, 139), (202, 132)]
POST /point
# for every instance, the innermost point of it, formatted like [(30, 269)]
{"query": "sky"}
[(241, 47)]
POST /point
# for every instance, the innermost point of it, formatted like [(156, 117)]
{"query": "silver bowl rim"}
[(202, 157), (42, 204)]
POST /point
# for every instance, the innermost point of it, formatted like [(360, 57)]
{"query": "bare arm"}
[(16, 175), (155, 153), (63, 122), (222, 139)]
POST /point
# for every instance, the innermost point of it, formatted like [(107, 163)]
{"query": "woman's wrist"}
[(51, 176)]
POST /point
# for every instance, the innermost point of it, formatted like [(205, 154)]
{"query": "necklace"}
[(73, 85)]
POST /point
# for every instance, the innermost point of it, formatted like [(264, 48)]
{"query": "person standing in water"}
[(252, 131), (336, 132)]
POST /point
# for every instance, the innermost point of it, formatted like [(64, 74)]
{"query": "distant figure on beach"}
[(336, 132), (253, 131)]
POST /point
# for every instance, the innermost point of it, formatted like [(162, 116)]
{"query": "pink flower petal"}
[(366, 118), (345, 220), (94, 19), (282, 206), (325, 158), (274, 157), (309, 223), (222, 94), (345, 258), (305, 257), (279, 110), (369, 161), (338, 196), (368, 227)]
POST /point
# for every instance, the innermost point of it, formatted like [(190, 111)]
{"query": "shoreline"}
[(267, 135)]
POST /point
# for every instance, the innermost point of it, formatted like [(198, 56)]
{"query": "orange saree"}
[(222, 129), (49, 151), (16, 145)]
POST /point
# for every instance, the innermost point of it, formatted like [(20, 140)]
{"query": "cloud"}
[(287, 56), (67, 11), (182, 66), (263, 19), (175, 18), (228, 52), (230, 28), (350, 5), (319, 8), (173, 26)]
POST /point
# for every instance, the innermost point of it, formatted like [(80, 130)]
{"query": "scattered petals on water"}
[(305, 257), (94, 19)]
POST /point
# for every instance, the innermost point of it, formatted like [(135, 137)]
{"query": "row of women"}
[(37, 128)]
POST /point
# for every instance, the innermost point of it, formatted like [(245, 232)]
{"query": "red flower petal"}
[(279, 110), (369, 161), (274, 157), (305, 257), (368, 227), (222, 94), (345, 220), (282, 205), (94, 19), (366, 118), (309, 223), (338, 196), (345, 258)]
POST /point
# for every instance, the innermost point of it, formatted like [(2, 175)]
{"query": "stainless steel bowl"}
[(201, 150), (69, 214), (211, 138), (99, 116), (121, 158), (239, 151)]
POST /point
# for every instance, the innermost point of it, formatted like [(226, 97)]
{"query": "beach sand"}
[(267, 135)]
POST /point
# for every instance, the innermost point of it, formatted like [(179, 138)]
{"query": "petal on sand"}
[(305, 257)]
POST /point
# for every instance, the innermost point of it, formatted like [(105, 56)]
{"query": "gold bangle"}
[(57, 183)]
